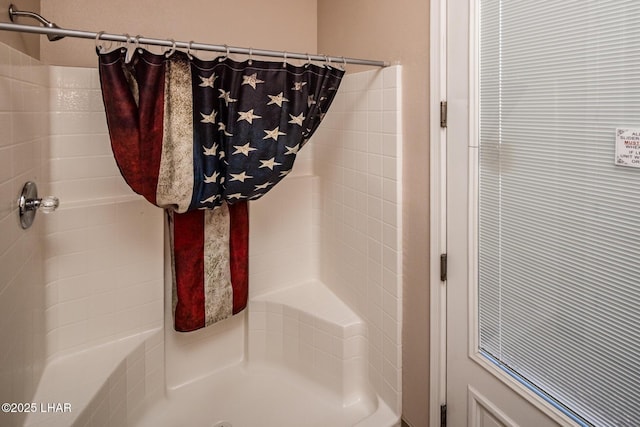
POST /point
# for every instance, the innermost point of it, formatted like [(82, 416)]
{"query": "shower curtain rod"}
[(55, 33)]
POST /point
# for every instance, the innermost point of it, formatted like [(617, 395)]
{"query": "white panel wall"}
[(81, 165), (104, 262), (23, 127), (283, 234), (357, 157)]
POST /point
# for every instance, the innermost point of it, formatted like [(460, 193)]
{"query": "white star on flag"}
[(210, 199), (212, 179), (310, 101), (298, 85), (223, 128), (248, 116), (221, 155), (277, 99), (226, 96), (211, 151), (275, 133), (209, 118), (243, 149), (251, 80), (284, 173), (208, 81), (263, 186), (269, 163), (297, 120), (235, 196), (239, 176), (292, 150)]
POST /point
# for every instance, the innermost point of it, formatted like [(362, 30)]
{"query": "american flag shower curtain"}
[(200, 139)]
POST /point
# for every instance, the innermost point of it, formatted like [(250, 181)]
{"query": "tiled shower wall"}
[(357, 155), (104, 260), (103, 247), (23, 130)]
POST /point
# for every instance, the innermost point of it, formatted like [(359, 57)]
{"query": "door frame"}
[(438, 210)]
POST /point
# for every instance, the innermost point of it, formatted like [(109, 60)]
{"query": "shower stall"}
[(85, 294)]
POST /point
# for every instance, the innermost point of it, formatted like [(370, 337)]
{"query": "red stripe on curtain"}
[(134, 106), (188, 249)]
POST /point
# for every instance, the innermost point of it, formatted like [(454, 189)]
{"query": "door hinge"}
[(443, 415), (443, 267), (443, 114)]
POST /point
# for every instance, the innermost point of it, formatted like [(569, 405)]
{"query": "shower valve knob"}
[(29, 203), (46, 204)]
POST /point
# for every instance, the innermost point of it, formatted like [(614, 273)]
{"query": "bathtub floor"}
[(253, 397)]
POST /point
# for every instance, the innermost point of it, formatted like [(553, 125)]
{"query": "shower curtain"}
[(200, 139)]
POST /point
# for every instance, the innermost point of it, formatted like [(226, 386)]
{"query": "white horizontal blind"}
[(559, 242)]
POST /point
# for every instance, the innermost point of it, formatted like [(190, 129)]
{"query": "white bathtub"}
[(318, 380), (306, 366)]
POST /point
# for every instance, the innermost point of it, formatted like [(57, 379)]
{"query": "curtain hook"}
[(308, 60), (344, 63), (284, 63), (171, 51), (327, 62), (250, 56), (99, 47), (126, 41), (226, 55), (130, 49), (137, 41), (189, 50)]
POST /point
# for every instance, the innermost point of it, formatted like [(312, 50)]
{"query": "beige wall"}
[(27, 43), (398, 30), (274, 24)]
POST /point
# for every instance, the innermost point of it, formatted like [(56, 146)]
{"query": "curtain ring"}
[(226, 55), (130, 49), (327, 62), (126, 42), (100, 47), (308, 60), (344, 63), (189, 50), (137, 45), (171, 51), (284, 63), (250, 56)]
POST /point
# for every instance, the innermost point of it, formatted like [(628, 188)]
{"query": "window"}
[(559, 243)]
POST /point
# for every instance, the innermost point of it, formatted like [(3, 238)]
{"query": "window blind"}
[(559, 222)]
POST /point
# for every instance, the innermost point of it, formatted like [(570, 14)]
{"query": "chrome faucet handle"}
[(46, 204), (29, 203)]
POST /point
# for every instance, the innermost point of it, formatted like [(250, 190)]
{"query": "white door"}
[(537, 92)]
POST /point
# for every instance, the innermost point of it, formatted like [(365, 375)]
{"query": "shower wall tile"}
[(81, 166), (109, 279), (282, 250), (92, 271), (104, 244), (23, 126), (357, 158), (310, 331)]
